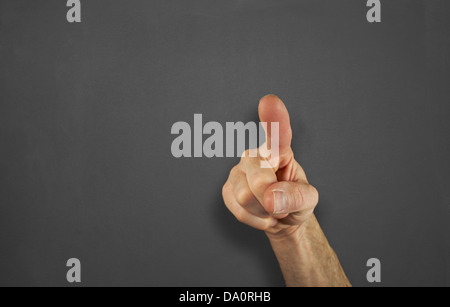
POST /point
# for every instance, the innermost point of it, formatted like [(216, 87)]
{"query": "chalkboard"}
[(86, 110)]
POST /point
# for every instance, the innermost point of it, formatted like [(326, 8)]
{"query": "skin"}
[(281, 202)]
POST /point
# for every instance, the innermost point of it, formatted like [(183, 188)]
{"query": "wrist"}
[(305, 256), (290, 235)]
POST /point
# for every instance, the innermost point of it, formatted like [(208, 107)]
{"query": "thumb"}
[(283, 198)]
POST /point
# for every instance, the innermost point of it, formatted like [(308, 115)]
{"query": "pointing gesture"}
[(275, 200), (280, 201)]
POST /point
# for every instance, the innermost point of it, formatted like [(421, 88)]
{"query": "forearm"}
[(306, 258)]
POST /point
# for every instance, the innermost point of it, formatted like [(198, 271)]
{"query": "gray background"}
[(86, 109)]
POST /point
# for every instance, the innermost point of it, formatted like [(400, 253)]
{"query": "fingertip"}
[(270, 96), (271, 109), (270, 104)]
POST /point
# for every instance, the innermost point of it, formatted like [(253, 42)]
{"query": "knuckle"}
[(265, 226), (240, 216), (259, 183), (314, 195), (225, 189), (299, 197), (249, 154), (246, 154), (244, 196), (261, 227), (234, 171)]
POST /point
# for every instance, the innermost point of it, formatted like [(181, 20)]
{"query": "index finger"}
[(272, 110)]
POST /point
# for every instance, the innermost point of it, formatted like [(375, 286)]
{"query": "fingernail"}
[(279, 202)]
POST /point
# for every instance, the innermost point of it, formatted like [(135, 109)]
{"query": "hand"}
[(280, 200)]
